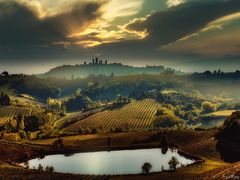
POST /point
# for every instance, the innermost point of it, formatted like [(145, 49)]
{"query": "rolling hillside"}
[(136, 115), (8, 113), (12, 111)]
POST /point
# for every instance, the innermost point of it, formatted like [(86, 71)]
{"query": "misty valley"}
[(106, 125)]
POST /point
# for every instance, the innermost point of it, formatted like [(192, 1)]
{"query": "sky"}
[(188, 35)]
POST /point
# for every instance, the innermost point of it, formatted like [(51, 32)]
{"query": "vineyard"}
[(136, 115), (5, 120), (7, 113)]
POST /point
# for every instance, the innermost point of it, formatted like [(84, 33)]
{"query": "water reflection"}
[(113, 162)]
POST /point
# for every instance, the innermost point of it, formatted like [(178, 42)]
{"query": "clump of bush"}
[(168, 121), (207, 107), (14, 137), (167, 118), (5, 99)]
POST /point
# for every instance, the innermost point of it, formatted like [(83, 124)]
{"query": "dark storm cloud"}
[(177, 22), (24, 37), (20, 25)]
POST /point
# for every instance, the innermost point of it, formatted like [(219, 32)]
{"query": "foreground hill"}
[(117, 69)]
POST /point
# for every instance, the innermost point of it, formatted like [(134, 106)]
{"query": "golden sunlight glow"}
[(88, 43), (227, 18), (97, 34), (91, 33), (141, 34), (98, 37), (188, 37), (172, 3), (121, 8), (47, 7), (219, 23), (36, 6), (103, 36)]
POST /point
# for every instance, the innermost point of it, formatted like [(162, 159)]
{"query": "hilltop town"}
[(103, 67)]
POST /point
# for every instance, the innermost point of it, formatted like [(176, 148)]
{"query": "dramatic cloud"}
[(21, 25), (177, 22), (137, 26), (211, 42), (122, 8), (172, 3), (161, 31)]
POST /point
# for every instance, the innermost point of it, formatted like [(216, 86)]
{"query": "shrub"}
[(94, 131), (163, 141), (80, 131), (207, 107), (40, 168), (58, 143), (4, 99), (11, 137), (173, 163), (43, 136), (49, 169), (146, 167), (163, 111), (167, 121)]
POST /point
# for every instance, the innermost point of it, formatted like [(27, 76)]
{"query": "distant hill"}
[(116, 69)]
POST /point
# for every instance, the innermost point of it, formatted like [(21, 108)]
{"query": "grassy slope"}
[(69, 117), (224, 113), (25, 100)]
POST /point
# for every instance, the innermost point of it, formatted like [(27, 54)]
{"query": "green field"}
[(224, 113)]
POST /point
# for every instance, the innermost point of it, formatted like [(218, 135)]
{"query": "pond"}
[(112, 162), (212, 122)]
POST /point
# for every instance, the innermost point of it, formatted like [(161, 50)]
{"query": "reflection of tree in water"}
[(164, 144), (173, 164), (228, 137), (146, 168), (58, 143)]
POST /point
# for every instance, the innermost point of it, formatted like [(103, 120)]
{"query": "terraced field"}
[(136, 115), (7, 113), (5, 120), (11, 111)]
